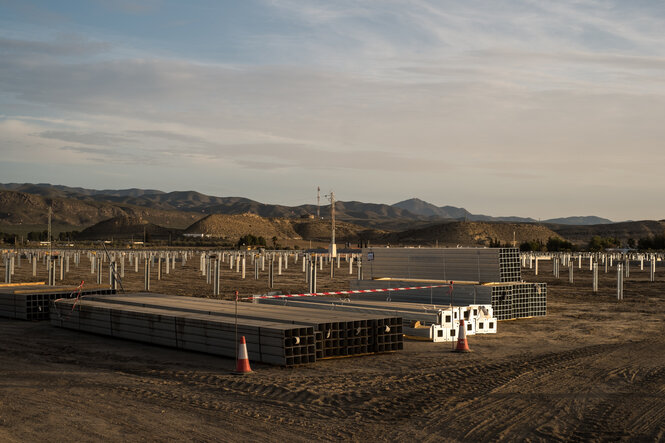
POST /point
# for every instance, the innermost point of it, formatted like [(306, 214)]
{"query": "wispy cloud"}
[(504, 90)]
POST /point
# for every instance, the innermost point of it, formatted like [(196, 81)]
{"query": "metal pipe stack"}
[(31, 301), (333, 333), (267, 342)]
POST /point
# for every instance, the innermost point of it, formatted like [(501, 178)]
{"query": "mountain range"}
[(131, 201)]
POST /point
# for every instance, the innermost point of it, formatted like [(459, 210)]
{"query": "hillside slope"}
[(18, 208), (472, 234)]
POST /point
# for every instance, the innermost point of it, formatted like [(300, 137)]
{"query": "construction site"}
[(184, 344)]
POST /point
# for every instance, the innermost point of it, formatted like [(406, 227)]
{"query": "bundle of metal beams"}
[(335, 333), (480, 265), (508, 300), (409, 312), (268, 342), (31, 302)]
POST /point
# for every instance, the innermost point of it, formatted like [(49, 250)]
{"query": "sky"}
[(528, 108)]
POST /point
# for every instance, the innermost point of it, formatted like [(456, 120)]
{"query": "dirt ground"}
[(593, 369)]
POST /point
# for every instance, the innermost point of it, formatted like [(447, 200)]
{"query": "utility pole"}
[(333, 246), (50, 248)]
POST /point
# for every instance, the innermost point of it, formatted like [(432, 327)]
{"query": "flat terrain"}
[(593, 369)]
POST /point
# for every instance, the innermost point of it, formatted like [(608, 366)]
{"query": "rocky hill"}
[(472, 234), (232, 227), (20, 208), (124, 227)]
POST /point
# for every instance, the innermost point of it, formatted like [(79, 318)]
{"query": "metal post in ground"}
[(652, 268), (243, 264), (216, 266), (8, 272), (53, 268), (146, 274), (99, 271), (34, 267), (571, 270), (595, 277), (627, 266), (619, 281), (114, 279), (271, 281)]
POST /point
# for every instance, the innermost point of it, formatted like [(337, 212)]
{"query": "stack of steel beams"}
[(335, 333), (31, 301), (409, 312), (509, 300), (268, 342), (481, 265)]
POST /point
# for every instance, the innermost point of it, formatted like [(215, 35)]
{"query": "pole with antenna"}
[(333, 247), (50, 248)]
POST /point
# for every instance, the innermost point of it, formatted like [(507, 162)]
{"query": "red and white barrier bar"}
[(357, 291)]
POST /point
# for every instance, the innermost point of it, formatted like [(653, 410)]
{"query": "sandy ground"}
[(593, 369)]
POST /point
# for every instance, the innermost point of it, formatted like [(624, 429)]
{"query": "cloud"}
[(494, 93)]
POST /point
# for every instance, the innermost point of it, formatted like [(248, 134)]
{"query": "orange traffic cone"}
[(462, 345), (242, 365)]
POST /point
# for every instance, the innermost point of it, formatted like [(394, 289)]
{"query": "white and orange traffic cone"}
[(462, 344), (242, 365)]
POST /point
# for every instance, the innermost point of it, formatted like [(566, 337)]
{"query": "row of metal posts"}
[(210, 262), (623, 266)]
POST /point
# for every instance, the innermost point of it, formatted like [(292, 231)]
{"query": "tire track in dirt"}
[(642, 411), (447, 406)]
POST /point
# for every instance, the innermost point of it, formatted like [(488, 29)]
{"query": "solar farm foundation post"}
[(34, 267), (8, 272), (279, 265), (114, 276), (215, 265), (571, 271), (52, 271), (652, 268), (595, 277), (627, 266), (271, 277), (146, 274), (351, 265), (619, 281), (99, 271), (243, 264)]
